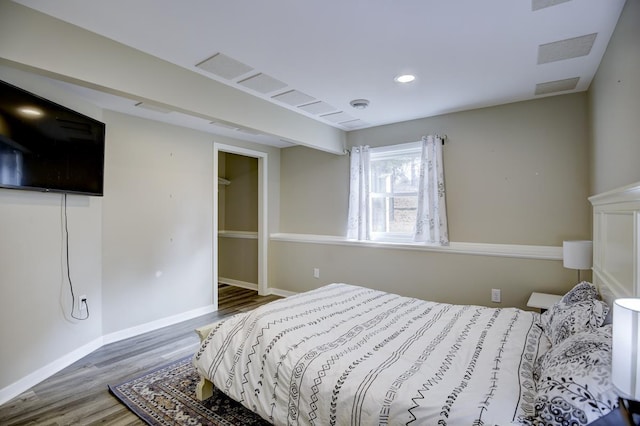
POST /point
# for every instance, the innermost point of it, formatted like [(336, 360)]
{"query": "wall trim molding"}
[(481, 249), (626, 194), (43, 373)]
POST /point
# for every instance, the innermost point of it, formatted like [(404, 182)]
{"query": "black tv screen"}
[(47, 147)]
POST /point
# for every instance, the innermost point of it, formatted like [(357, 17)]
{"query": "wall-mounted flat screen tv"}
[(47, 147)]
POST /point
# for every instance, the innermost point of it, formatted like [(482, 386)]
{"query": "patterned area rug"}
[(166, 396)]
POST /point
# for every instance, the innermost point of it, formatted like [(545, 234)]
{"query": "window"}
[(395, 176), (396, 193)]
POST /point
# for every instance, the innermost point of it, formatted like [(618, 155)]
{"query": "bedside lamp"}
[(625, 361), (577, 255)]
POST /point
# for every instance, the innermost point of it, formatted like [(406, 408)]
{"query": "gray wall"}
[(141, 254), (35, 301), (515, 174), (157, 221), (614, 106)]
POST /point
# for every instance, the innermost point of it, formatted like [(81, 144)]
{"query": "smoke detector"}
[(359, 103)]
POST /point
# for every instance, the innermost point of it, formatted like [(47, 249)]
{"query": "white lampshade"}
[(625, 361), (577, 254)]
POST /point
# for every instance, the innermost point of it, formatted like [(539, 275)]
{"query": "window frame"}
[(390, 152)]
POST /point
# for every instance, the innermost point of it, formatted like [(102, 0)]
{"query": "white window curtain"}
[(431, 217), (358, 227)]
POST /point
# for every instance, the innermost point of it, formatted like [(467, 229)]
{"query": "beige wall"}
[(314, 191), (515, 174), (441, 277), (614, 106), (222, 191), (241, 197), (238, 257), (238, 260)]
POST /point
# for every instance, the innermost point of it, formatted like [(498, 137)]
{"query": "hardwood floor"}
[(78, 395)]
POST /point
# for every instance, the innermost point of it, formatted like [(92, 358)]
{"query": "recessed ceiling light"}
[(30, 111), (405, 78)]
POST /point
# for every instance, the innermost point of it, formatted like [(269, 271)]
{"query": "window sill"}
[(482, 249)]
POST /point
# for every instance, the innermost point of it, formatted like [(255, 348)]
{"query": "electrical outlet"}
[(316, 272), (495, 295), (82, 303)]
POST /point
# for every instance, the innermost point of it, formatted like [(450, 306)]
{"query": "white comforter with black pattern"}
[(348, 355)]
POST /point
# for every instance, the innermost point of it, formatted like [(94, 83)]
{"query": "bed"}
[(349, 355)]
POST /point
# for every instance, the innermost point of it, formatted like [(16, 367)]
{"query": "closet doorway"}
[(240, 219)]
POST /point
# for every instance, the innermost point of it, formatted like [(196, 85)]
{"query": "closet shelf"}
[(248, 235)]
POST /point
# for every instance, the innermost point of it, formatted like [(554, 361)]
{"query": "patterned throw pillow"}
[(581, 316), (574, 387), (579, 310), (581, 292)]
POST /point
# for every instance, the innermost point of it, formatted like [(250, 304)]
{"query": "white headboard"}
[(616, 242)]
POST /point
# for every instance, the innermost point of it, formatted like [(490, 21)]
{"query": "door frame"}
[(263, 237)]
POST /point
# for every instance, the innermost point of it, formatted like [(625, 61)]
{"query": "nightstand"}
[(625, 415), (630, 410), (543, 301)]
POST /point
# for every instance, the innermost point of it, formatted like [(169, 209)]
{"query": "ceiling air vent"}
[(224, 66), (262, 83), (566, 49), (556, 86), (541, 4)]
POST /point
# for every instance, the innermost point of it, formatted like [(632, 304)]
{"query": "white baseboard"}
[(281, 293), (32, 379), (154, 325), (252, 286), (29, 381), (238, 283)]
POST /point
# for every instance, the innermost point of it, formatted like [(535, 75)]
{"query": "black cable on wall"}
[(84, 302)]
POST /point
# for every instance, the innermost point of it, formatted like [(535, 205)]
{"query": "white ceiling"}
[(464, 53)]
